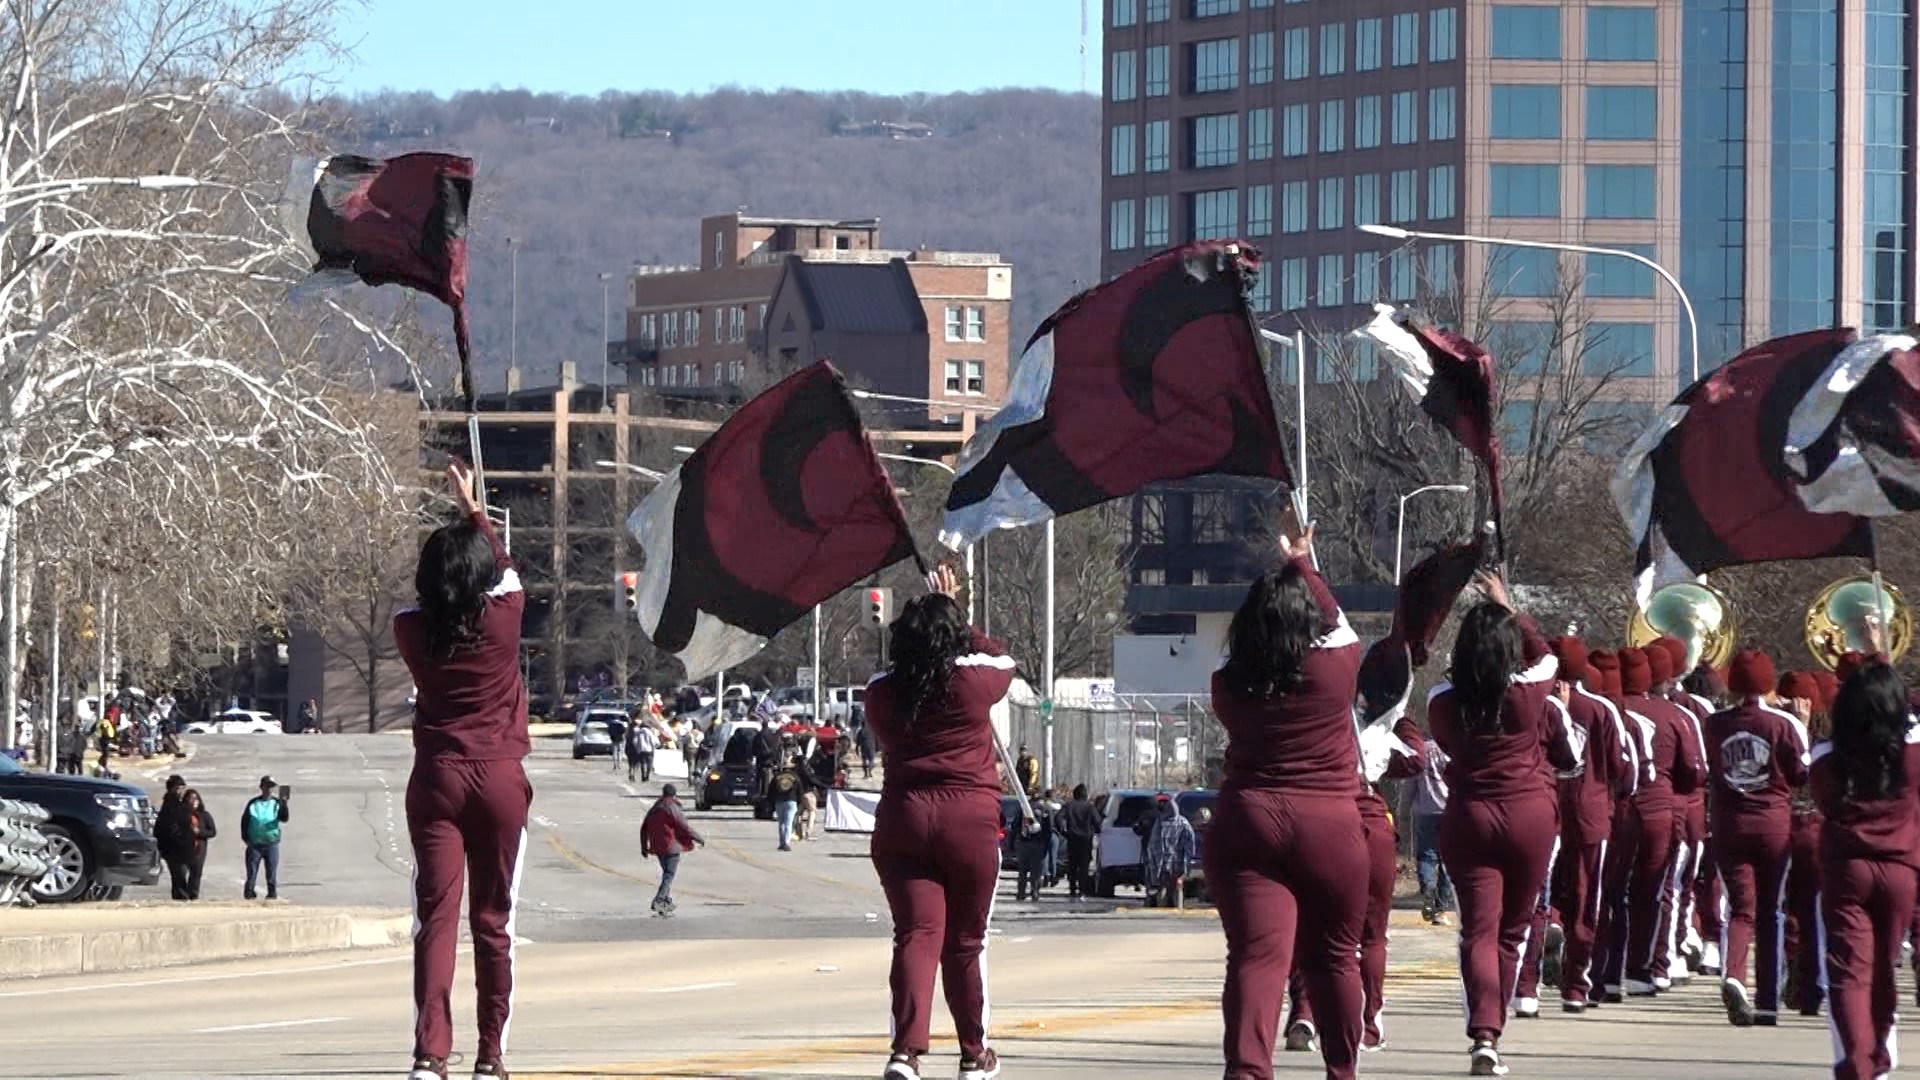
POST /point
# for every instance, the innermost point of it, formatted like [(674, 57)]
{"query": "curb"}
[(86, 952)]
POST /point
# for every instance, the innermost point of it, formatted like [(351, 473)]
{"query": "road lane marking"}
[(225, 976), (270, 1025), (690, 988)]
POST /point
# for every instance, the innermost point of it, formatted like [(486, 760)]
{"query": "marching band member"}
[(1286, 856), (1799, 694), (1670, 771), (1864, 781), (1709, 692), (936, 831), (1758, 755), (1498, 832), (1616, 865), (1690, 831)]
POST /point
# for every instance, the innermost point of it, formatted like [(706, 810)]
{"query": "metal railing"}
[(1159, 741)]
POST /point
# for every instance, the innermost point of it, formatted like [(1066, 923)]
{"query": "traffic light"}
[(629, 592), (879, 603)]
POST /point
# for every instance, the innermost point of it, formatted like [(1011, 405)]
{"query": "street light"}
[(645, 474), (606, 287), (513, 304), (1394, 232), (1400, 525)]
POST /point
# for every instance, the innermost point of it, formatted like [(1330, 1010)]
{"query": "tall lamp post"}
[(1400, 519), (1394, 232), (513, 303), (1298, 343), (606, 293)]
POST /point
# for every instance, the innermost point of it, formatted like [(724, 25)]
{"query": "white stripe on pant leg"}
[(1460, 946), (1726, 922), (1780, 936), (1597, 902), (413, 902), (1540, 905), (1820, 941), (513, 943), (1672, 910), (986, 932)]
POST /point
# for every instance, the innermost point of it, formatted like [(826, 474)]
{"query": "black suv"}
[(99, 836)]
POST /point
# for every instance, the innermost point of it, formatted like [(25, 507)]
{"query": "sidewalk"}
[(77, 939)]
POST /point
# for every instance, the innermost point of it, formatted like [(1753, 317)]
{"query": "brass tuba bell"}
[(1839, 618), (1696, 613)]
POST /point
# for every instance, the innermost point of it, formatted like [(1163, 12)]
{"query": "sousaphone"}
[(1693, 611), (1840, 617)]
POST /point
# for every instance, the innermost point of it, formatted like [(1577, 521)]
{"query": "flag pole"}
[(1879, 593)]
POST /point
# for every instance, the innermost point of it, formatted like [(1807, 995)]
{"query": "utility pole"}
[(513, 304), (606, 343)]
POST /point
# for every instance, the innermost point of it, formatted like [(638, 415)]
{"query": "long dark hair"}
[(456, 571), (1486, 654), (930, 634), (1870, 731), (1272, 634)]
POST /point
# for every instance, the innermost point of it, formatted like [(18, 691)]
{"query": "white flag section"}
[(715, 645), (851, 811), (1851, 483), (1399, 348), (1012, 504)]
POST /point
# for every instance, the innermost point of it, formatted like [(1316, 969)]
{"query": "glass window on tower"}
[(1333, 48), (1123, 150), (1884, 222), (1406, 39), (1524, 111), (1366, 277), (1333, 126), (1620, 191), (1621, 33), (1121, 85), (1333, 202), (1153, 222), (1260, 210), (1120, 225), (1613, 277), (1125, 13), (1366, 122), (1440, 193), (1529, 191), (1159, 134), (1441, 27), (1617, 349), (1215, 64), (1400, 274), (1157, 72), (1260, 58), (1405, 122), (1293, 284), (1159, 10), (1215, 214), (1366, 44), (1331, 281), (1293, 54), (1207, 9), (1293, 131), (1259, 134), (1440, 112), (1620, 112), (1366, 199), (1213, 141), (1439, 271), (1526, 32), (1293, 206), (1403, 200), (1260, 296), (1523, 273)]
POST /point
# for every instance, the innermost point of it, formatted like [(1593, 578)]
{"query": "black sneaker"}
[(1575, 1007), (1767, 1019), (427, 1068), (984, 1067), (1301, 1036), (902, 1067)]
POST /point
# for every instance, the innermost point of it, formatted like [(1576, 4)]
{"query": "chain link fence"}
[(1159, 741)]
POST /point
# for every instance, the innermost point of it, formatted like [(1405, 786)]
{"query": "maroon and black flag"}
[(1712, 482), (401, 221), (1426, 595), (1853, 441), (1452, 378), (1155, 375), (779, 510)]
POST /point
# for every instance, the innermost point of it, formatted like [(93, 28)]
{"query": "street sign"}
[(1046, 708), (803, 676)]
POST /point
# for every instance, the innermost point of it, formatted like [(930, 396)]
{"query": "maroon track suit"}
[(1383, 867), (1869, 853), (1689, 840), (936, 843), (1498, 831), (467, 804), (1286, 855), (1586, 823), (1616, 864), (1803, 911), (1670, 770), (1708, 900), (1758, 755)]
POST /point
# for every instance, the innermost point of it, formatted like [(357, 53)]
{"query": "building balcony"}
[(632, 351)]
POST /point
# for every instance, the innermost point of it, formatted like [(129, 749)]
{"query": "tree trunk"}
[(373, 687)]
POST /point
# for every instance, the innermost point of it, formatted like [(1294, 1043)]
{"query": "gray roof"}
[(859, 298)]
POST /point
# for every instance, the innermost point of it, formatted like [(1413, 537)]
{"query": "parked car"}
[(593, 733), (237, 722), (793, 703), (1119, 858), (99, 835)]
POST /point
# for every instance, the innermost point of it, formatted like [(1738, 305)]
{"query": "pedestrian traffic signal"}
[(630, 591), (879, 602)]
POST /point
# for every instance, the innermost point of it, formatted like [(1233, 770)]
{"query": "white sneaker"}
[(1661, 982), (1484, 1060), (986, 1067), (1710, 957), (1302, 1037), (1734, 997), (1680, 972), (1526, 1008), (1637, 988), (902, 1067)]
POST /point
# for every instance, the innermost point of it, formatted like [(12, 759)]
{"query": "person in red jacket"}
[(665, 834), (936, 834), (1503, 742), (1758, 755), (468, 797), (1287, 857), (1670, 753), (1866, 781), (1677, 936)]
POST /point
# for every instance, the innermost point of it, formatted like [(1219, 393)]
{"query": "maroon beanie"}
[(1751, 673), (1850, 661), (1572, 654), (1800, 685), (1636, 672), (1659, 662), (1676, 653), (1829, 685)]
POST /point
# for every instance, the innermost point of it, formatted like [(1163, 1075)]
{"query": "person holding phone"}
[(260, 829), (468, 797)]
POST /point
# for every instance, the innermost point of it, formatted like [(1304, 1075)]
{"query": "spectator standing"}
[(1030, 851), (1429, 802), (665, 835), (863, 741), (200, 823), (172, 833), (641, 744), (1028, 769), (1169, 855), (692, 744), (309, 717), (784, 788), (1080, 821), (260, 830)]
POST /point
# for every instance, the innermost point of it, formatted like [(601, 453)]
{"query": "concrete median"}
[(83, 939)]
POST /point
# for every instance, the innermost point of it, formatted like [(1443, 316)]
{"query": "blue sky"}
[(586, 46)]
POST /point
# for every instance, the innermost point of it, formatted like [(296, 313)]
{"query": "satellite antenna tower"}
[(1083, 46)]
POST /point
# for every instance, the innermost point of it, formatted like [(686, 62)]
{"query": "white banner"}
[(851, 811)]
